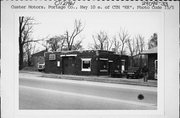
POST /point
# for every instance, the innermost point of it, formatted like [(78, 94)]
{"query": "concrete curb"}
[(104, 79)]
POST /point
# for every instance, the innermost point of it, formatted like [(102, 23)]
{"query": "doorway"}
[(68, 65)]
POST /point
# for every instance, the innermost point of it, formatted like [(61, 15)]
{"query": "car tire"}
[(127, 77)]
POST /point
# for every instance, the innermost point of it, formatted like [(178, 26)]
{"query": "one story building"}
[(87, 62), (152, 62)]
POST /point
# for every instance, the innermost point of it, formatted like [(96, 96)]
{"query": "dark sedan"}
[(134, 72)]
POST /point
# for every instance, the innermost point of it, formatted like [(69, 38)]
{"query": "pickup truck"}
[(41, 66)]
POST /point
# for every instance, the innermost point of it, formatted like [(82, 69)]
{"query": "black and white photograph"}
[(89, 58), (89, 61)]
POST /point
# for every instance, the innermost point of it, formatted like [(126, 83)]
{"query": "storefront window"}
[(86, 64)]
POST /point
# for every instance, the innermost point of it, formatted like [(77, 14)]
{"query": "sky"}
[(56, 23)]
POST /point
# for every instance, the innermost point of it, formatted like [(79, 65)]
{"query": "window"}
[(58, 63), (86, 64), (52, 57), (122, 65)]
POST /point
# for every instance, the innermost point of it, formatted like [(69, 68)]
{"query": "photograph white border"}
[(10, 72), (160, 85)]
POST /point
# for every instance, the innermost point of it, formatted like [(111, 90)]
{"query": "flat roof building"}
[(87, 62)]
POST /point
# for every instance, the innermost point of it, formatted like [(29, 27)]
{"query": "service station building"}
[(87, 62)]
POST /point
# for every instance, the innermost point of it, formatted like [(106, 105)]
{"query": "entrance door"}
[(122, 66), (68, 65), (110, 69)]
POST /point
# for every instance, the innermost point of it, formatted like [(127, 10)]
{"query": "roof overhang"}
[(150, 51)]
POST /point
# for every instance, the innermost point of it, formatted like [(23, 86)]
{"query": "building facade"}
[(152, 62), (87, 62)]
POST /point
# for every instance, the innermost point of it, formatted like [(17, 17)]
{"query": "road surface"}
[(36, 92)]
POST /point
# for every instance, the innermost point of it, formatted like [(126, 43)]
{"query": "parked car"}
[(41, 66), (134, 72)]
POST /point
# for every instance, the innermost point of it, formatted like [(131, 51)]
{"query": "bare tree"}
[(70, 37), (29, 49), (56, 42), (132, 48), (27, 55), (25, 29), (101, 41), (123, 37), (137, 46), (140, 44), (33, 48), (108, 44), (116, 45), (95, 46), (77, 45), (44, 42)]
